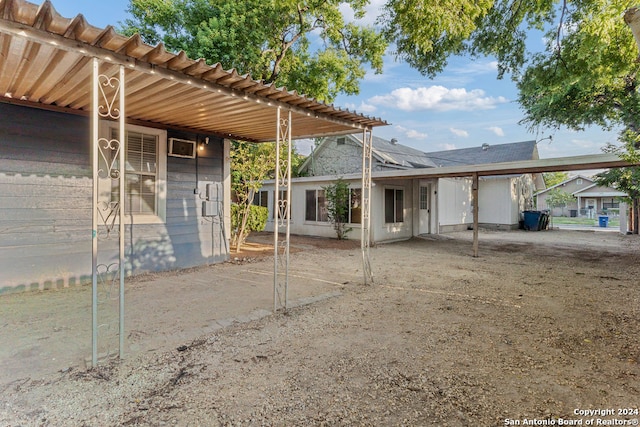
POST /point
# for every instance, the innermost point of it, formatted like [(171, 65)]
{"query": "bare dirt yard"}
[(543, 328)]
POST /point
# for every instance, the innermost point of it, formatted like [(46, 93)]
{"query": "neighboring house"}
[(590, 198), (402, 208), (343, 155)]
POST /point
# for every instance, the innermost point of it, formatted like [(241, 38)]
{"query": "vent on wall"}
[(340, 141), (182, 148)]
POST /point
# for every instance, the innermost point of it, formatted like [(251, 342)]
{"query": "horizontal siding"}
[(45, 206), (44, 167)]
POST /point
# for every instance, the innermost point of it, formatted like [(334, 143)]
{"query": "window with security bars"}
[(610, 204), (141, 172), (424, 198)]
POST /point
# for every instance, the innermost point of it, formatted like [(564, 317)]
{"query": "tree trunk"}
[(243, 225), (635, 212)]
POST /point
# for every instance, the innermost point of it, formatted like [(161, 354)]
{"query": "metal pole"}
[(365, 220), (288, 209), (94, 216), (121, 237), (276, 211), (282, 211), (474, 189)]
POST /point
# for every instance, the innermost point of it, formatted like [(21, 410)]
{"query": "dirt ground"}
[(543, 328)]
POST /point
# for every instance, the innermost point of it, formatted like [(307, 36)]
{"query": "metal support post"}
[(121, 236), (282, 208), (108, 160), (474, 190), (94, 215), (365, 229)]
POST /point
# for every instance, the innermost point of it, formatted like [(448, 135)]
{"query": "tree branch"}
[(286, 44), (560, 24)]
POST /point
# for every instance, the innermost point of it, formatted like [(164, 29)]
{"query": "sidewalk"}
[(49, 331), (577, 227)]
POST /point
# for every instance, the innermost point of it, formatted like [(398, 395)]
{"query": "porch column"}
[(226, 189), (474, 191), (623, 212), (579, 204), (108, 159), (365, 220), (282, 210)]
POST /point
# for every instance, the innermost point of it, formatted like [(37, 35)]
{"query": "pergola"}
[(65, 64)]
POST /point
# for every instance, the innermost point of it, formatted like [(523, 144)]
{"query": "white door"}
[(591, 208), (425, 211)]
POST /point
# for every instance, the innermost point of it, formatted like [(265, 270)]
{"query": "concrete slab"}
[(47, 331)]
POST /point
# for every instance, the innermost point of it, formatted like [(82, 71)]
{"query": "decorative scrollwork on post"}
[(109, 150), (109, 91), (283, 210), (108, 277), (108, 158), (109, 213), (365, 237)]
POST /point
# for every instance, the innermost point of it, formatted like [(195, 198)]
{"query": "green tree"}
[(302, 45), (624, 179), (251, 164), (337, 195), (253, 218), (586, 74), (557, 198), (553, 178)]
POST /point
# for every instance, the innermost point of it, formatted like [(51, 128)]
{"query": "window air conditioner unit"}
[(182, 148)]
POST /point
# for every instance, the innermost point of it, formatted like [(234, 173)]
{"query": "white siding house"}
[(402, 208)]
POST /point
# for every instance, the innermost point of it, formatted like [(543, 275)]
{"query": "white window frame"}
[(160, 217), (395, 219), (358, 198), (317, 219), (261, 196)]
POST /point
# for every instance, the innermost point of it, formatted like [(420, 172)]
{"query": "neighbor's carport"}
[(52, 62), (560, 164)]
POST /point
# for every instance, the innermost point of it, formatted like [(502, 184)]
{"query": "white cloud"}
[(412, 133), (459, 132), (372, 10), (476, 67), (362, 108), (437, 98), (585, 143), (366, 108), (497, 130)]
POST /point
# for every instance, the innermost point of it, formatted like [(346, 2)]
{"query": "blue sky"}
[(465, 106)]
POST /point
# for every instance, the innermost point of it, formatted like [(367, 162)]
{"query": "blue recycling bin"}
[(603, 221), (532, 220)]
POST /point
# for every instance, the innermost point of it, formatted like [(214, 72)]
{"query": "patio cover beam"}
[(574, 163), (350, 124)]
